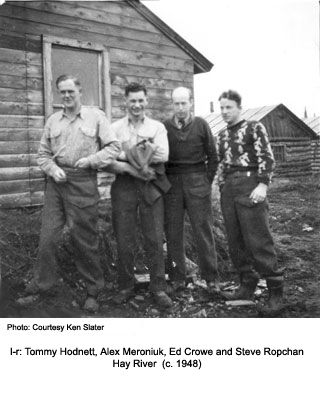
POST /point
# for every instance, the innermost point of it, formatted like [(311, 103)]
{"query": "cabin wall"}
[(286, 132), (138, 52), (298, 158), (315, 147)]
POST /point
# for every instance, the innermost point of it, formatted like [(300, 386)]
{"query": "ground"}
[(295, 224)]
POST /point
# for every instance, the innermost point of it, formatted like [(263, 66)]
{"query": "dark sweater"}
[(245, 147), (191, 148)]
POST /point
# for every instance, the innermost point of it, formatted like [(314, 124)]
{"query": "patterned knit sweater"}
[(245, 147)]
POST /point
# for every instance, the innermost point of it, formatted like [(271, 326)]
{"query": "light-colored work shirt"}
[(66, 140), (148, 129)]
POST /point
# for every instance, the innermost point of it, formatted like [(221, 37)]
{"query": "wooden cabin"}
[(314, 124), (107, 44), (291, 139)]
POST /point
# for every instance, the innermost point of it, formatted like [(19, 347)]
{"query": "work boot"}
[(213, 286), (275, 301), (162, 299), (91, 304), (248, 284), (178, 285), (123, 295)]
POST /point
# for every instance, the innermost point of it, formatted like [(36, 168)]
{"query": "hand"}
[(59, 176), (259, 194), (82, 163)]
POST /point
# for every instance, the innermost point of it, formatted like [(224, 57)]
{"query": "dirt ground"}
[(295, 224)]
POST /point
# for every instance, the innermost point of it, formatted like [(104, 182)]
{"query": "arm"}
[(211, 152), (110, 147), (121, 167), (45, 156), (265, 161), (160, 145), (263, 152)]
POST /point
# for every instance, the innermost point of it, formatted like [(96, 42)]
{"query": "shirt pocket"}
[(88, 140), (88, 132), (55, 139), (55, 133)]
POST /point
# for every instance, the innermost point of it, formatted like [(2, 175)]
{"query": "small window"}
[(86, 60), (81, 63), (279, 152)]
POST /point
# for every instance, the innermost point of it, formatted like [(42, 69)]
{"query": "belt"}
[(185, 168), (242, 174), (79, 172)]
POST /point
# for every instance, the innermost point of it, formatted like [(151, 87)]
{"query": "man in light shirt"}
[(138, 189), (76, 142)]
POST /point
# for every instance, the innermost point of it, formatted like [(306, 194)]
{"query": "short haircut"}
[(231, 95), (135, 87), (65, 77), (182, 88)]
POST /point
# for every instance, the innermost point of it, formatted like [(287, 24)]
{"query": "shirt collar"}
[(237, 124), (174, 121), (79, 114), (129, 120)]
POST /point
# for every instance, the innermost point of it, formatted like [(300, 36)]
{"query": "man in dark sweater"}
[(245, 170), (191, 169)]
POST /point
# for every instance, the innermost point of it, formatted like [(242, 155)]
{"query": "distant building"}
[(314, 124), (291, 138)]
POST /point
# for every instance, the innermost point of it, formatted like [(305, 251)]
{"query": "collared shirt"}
[(148, 129), (243, 147), (66, 140)]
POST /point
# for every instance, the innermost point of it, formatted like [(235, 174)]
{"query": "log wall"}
[(298, 158), (138, 52), (315, 146)]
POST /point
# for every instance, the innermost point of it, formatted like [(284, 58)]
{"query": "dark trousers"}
[(191, 193), (128, 200), (73, 203), (250, 242)]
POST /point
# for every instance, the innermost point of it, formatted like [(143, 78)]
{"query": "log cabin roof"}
[(216, 122), (313, 123), (201, 63)]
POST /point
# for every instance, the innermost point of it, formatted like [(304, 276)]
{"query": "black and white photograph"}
[(160, 165)]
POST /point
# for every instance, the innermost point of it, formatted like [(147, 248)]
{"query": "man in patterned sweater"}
[(245, 170)]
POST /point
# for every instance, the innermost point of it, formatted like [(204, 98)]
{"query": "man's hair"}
[(231, 95), (135, 87), (180, 88), (65, 77)]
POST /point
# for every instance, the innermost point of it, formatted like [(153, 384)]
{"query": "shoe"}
[(32, 287), (178, 285), (123, 296), (248, 284), (91, 305), (162, 299), (213, 286), (275, 301)]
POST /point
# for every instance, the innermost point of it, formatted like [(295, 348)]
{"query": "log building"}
[(291, 139), (314, 124), (107, 44)]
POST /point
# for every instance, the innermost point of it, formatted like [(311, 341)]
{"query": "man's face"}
[(70, 94), (182, 104), (136, 103), (230, 111)]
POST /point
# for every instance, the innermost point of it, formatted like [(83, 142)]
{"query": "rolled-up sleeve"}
[(161, 153), (45, 157), (110, 145)]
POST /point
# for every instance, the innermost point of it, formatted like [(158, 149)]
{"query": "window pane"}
[(81, 63)]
